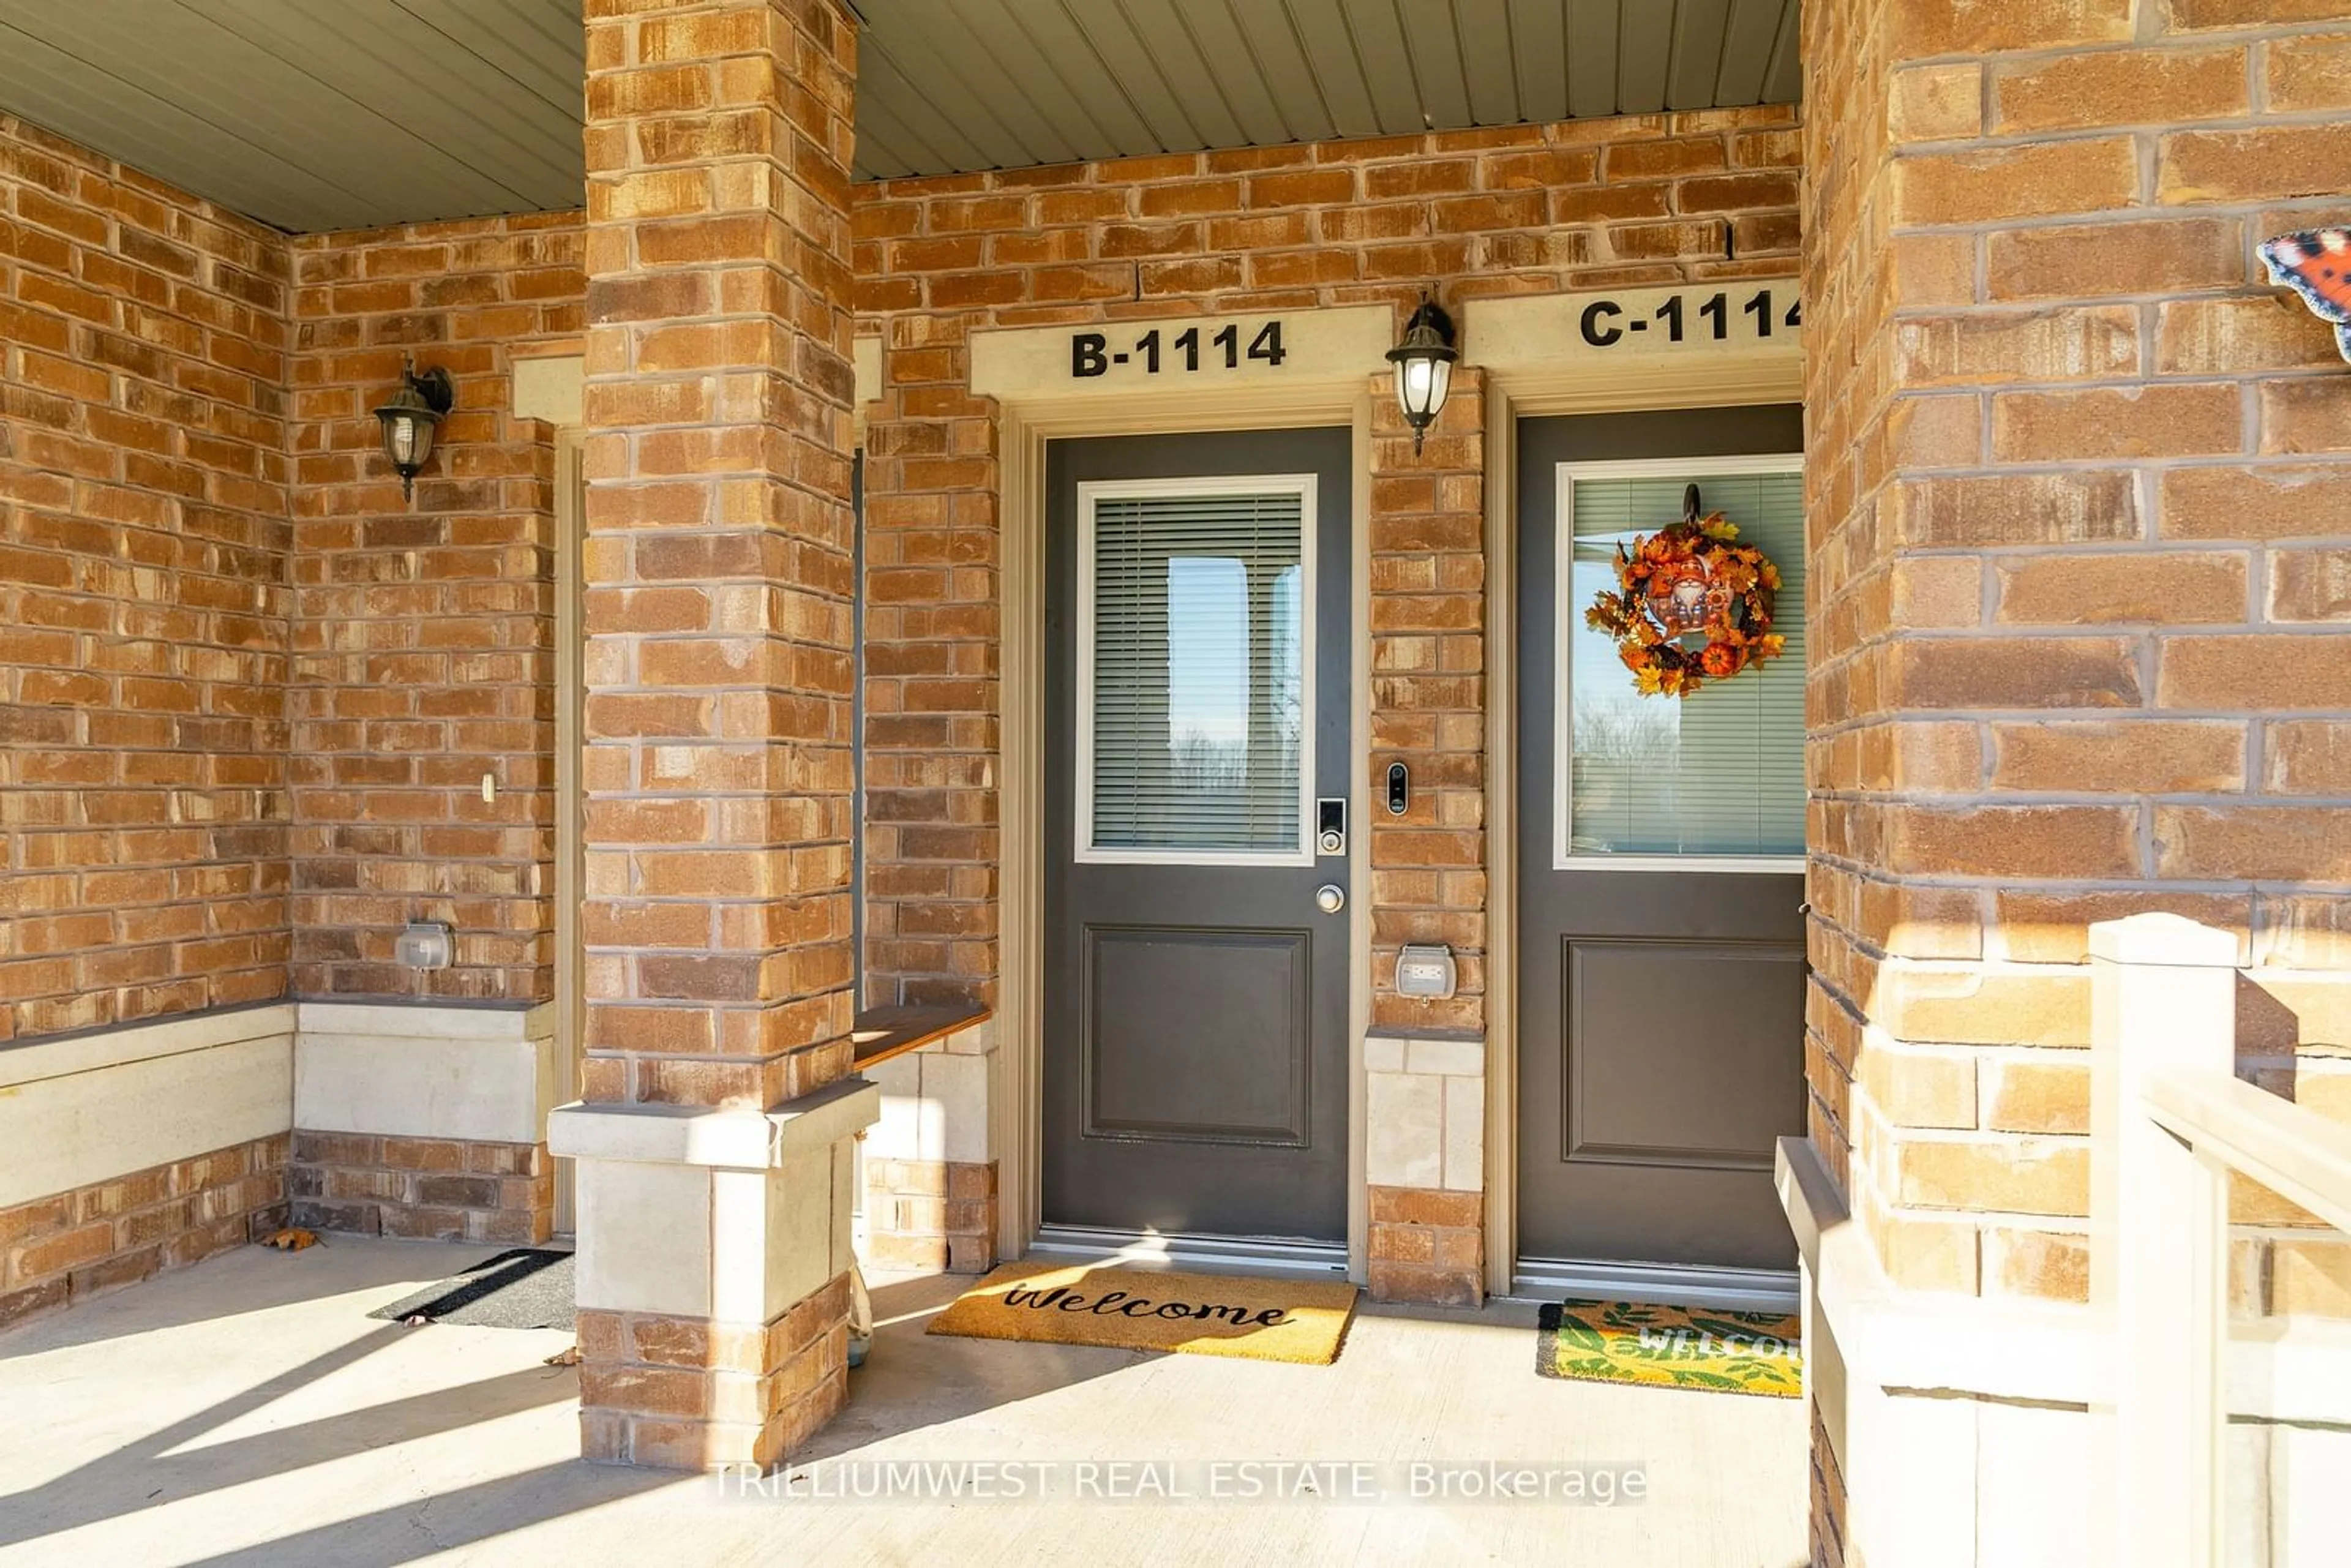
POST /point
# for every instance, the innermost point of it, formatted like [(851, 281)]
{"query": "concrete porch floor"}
[(248, 1411)]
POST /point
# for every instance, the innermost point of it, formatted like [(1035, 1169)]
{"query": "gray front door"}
[(1196, 708), (1661, 980)]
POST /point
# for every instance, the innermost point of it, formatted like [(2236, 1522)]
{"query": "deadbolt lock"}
[(1330, 825)]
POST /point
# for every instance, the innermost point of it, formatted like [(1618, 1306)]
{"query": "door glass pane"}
[(1197, 696), (1718, 772)]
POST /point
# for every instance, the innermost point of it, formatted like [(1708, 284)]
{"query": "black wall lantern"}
[(411, 418), (1424, 366)]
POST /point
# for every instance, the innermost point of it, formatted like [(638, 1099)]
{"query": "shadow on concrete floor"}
[(171, 1463), (86, 1367), (228, 1284), (914, 1379)]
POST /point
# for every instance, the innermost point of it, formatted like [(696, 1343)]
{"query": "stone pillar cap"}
[(2159, 939), (700, 1136)]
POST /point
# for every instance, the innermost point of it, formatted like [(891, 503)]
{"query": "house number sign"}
[(1193, 348), (1691, 314), (1216, 357), (1747, 321)]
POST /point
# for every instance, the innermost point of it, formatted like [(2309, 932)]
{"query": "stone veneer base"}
[(1428, 1246), (75, 1245), (937, 1215), (685, 1394), (1827, 1509)]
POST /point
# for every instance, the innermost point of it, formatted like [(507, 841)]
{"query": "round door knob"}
[(1330, 898)]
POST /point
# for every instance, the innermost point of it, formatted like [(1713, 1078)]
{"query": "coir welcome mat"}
[(1145, 1309), (1668, 1347)]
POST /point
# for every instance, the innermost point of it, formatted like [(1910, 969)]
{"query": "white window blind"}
[(1195, 685), (1720, 772)]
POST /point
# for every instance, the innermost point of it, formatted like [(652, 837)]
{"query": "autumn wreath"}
[(1692, 605)]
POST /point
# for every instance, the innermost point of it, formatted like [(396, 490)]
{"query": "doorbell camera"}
[(1399, 788)]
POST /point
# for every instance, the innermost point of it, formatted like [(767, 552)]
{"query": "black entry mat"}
[(528, 1288)]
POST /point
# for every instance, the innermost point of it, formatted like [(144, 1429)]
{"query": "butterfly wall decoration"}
[(2316, 264)]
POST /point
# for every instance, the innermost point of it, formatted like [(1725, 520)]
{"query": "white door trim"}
[(569, 879)]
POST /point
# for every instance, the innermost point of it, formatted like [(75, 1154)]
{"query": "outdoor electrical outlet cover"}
[(1425, 971), (423, 945)]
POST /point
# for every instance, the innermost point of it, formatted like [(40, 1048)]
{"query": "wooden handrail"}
[(883, 1033), (2291, 1150)]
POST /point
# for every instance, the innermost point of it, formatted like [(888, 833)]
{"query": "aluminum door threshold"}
[(1228, 1254), (1662, 1284)]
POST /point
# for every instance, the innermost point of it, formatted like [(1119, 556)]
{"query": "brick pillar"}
[(2070, 459), (714, 1161), (1425, 1065)]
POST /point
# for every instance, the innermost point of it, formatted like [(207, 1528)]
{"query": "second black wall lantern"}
[(410, 418), (1424, 366)]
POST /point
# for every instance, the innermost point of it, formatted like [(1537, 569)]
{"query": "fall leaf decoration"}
[(1692, 605), (563, 1358), (290, 1239)]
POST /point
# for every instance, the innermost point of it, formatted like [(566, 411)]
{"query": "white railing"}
[(2170, 1121)]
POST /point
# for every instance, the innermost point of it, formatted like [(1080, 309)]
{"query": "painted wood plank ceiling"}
[(327, 114)]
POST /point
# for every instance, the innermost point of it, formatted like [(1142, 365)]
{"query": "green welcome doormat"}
[(1671, 1347), (1152, 1309)]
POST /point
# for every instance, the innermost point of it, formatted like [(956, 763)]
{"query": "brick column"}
[(1426, 1061), (713, 1169), (2069, 464), (2070, 461), (1428, 700)]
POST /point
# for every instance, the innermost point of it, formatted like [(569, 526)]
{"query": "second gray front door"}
[(1661, 977), (1197, 709)]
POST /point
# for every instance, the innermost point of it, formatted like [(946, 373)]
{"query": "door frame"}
[(569, 877), (1535, 385), (1016, 1096)]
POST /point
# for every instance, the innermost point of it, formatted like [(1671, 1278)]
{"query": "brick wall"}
[(423, 632), (81, 1244), (933, 721), (433, 1189), (223, 619), (1584, 204), (2076, 652), (142, 596), (420, 635)]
